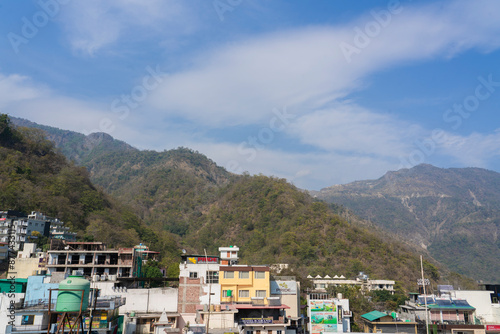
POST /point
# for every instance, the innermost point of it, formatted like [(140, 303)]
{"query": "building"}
[(95, 260), (216, 292), (327, 314), (380, 322), (35, 311), (444, 314), (321, 284), (21, 227), (30, 261), (144, 307)]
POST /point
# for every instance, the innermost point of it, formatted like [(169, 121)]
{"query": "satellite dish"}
[(183, 251)]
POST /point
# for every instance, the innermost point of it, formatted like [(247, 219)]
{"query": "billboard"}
[(283, 287), (203, 259), (323, 316)]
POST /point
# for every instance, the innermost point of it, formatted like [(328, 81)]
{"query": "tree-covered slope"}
[(454, 213), (184, 192), (33, 176)]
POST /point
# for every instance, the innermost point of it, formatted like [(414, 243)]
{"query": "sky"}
[(318, 92)]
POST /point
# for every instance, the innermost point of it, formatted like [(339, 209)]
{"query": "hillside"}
[(184, 192), (33, 176), (453, 213)]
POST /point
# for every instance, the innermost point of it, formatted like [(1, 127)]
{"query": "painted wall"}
[(238, 283), (37, 290), (141, 300)]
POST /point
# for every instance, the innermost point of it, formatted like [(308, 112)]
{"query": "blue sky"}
[(320, 93)]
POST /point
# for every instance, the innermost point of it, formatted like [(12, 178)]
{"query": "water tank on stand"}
[(70, 301)]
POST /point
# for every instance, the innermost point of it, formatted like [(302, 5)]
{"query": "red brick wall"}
[(189, 294)]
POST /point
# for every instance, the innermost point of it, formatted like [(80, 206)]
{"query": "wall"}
[(237, 284), (5, 300), (38, 289), (25, 267), (142, 300)]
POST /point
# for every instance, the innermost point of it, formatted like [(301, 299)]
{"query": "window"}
[(212, 277), (227, 293), (244, 274), (193, 274), (260, 293), (278, 332), (229, 274), (260, 274), (27, 320), (244, 294), (249, 332)]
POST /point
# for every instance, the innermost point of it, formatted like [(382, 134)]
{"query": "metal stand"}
[(65, 323)]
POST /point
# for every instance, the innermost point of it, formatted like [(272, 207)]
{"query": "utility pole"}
[(425, 297), (209, 290)]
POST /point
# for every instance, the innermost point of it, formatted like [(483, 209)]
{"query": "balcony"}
[(262, 321), (346, 314)]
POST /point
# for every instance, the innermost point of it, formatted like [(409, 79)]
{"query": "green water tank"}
[(69, 301)]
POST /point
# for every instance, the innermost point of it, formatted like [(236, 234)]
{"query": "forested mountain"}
[(33, 176), (185, 193), (453, 213)]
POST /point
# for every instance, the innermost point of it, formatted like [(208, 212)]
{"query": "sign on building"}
[(323, 316), (283, 287)]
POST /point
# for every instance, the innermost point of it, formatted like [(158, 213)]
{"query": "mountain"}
[(76, 146), (453, 213), (34, 176), (183, 192)]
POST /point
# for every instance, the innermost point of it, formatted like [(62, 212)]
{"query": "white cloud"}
[(478, 150), (349, 128), (92, 25), (306, 68), (16, 88)]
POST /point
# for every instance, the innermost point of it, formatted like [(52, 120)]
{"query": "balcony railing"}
[(26, 328)]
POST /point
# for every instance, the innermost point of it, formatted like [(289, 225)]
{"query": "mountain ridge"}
[(185, 193), (447, 211)]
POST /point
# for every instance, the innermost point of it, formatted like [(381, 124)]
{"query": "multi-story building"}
[(363, 281), (20, 227), (95, 260)]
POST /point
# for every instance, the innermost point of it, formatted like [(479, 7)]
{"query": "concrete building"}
[(21, 227), (31, 309), (445, 314), (487, 311), (144, 308), (95, 260), (328, 314), (30, 261), (380, 322), (321, 284)]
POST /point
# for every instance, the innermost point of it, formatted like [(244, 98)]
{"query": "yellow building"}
[(245, 284)]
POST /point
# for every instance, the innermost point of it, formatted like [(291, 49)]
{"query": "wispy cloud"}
[(307, 69), (92, 25), (240, 83)]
